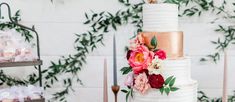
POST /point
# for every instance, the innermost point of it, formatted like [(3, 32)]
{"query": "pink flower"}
[(141, 83), (140, 58), (161, 54), (129, 81), (138, 40)]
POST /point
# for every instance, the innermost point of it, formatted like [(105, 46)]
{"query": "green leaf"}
[(123, 90), (174, 89), (214, 42), (161, 90), (87, 22), (154, 41), (167, 90), (114, 26), (86, 16), (172, 82), (168, 80), (131, 91), (126, 70), (127, 96), (203, 59), (93, 16)]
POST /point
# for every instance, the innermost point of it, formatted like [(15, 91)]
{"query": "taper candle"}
[(114, 61), (225, 96), (105, 82)]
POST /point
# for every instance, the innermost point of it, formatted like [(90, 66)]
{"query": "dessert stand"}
[(37, 63)]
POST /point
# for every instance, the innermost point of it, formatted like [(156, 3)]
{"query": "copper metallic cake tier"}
[(170, 42)]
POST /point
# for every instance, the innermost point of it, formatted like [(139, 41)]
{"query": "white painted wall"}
[(57, 23)]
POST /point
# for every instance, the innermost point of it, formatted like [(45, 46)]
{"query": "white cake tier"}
[(160, 17), (186, 93), (180, 68)]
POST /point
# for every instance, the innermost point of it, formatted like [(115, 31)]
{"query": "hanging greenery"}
[(100, 24), (7, 25), (221, 12), (202, 97)]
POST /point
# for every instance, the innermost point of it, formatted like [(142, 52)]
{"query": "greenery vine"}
[(197, 7), (202, 97), (100, 23), (7, 25)]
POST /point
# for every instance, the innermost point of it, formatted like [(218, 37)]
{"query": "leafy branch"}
[(100, 23), (202, 97), (10, 81), (169, 86), (221, 44), (8, 25), (197, 7), (128, 92)]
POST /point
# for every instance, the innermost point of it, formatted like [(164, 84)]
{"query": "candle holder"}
[(152, 1), (115, 89)]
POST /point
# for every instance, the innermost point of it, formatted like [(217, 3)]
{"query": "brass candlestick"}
[(115, 89), (152, 1)]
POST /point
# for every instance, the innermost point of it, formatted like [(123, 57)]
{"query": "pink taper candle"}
[(225, 96), (105, 82)]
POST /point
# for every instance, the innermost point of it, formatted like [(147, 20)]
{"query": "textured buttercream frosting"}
[(187, 87), (186, 93), (160, 17), (180, 68)]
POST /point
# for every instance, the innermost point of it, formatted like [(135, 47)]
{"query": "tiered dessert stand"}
[(37, 64)]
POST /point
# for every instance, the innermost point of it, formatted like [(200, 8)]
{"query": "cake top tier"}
[(160, 17)]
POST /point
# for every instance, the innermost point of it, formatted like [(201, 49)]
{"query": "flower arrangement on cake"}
[(144, 71)]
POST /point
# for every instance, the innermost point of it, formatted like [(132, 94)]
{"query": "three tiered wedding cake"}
[(158, 70), (161, 21)]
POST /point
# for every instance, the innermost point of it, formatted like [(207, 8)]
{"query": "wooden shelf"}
[(36, 100), (17, 64)]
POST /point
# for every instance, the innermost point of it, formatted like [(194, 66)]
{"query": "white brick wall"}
[(57, 23)]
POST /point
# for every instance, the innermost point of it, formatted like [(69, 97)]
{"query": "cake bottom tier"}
[(186, 93)]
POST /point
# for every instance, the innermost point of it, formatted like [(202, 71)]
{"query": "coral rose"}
[(156, 81), (139, 40), (140, 58), (141, 83), (161, 54)]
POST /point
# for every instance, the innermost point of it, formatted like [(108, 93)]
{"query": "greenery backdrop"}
[(102, 23)]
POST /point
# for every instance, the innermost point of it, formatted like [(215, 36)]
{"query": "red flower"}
[(156, 81), (128, 54), (161, 54)]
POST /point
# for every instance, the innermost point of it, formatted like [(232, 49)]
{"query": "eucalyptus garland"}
[(8, 25), (221, 12), (202, 97), (100, 24)]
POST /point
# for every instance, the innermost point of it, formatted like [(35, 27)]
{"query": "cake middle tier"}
[(180, 69), (170, 42)]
